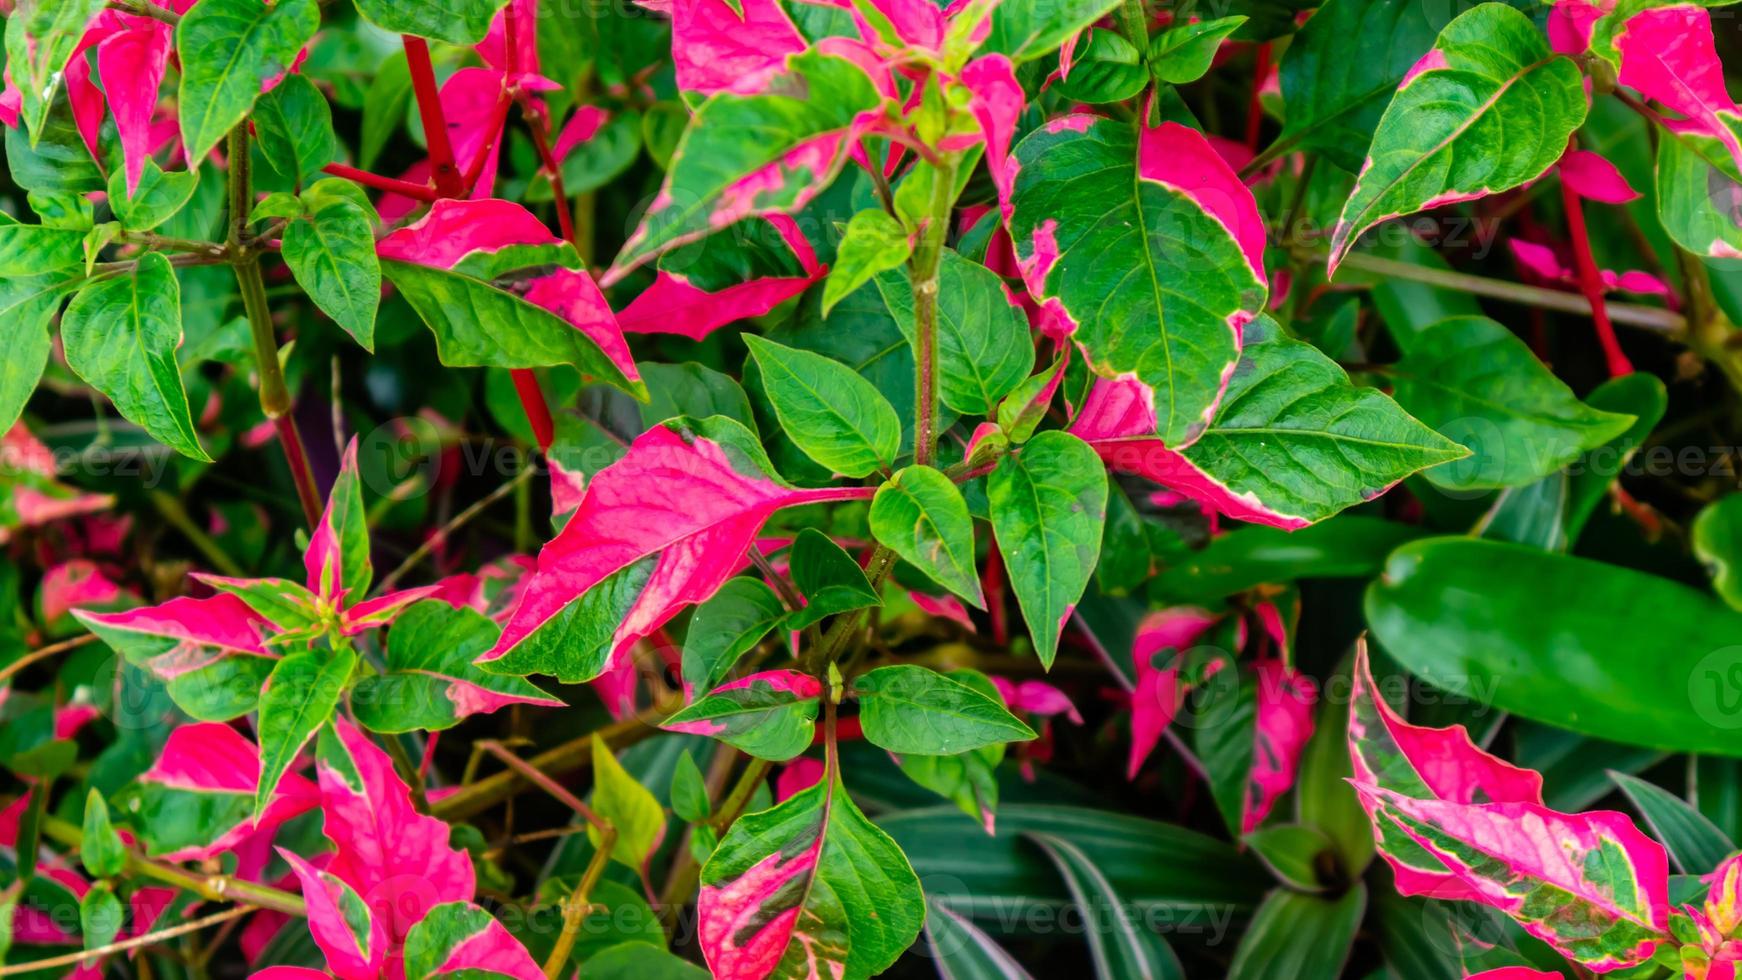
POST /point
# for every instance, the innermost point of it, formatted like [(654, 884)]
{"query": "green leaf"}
[(725, 628), (1694, 201), (27, 307), (120, 334), (100, 915), (1047, 503), (1493, 114), (921, 516), (983, 345), (1343, 547), (1558, 640), (1342, 69), (294, 125), (1693, 842), (641, 961), (1295, 935), (29, 250), (55, 158), (40, 38), (689, 791), (1021, 412), (789, 141), (430, 682), (1119, 941), (1717, 541), (331, 252), (835, 416), (1150, 275), (228, 49), (1293, 433), (1292, 852), (1029, 29), (909, 709), (158, 197), (631, 810), (831, 581), (1324, 799), (1588, 481), (462, 22), (1107, 69), (771, 715), (301, 696), (1224, 738), (478, 325), (100, 848), (692, 390), (852, 901), (1479, 385), (874, 242), (1182, 53)]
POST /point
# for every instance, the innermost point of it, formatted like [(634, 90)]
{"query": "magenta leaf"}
[(398, 860), (1669, 54), (182, 635), (131, 64), (197, 799), (1592, 176), (1284, 726), (347, 932), (660, 529), (718, 49), (733, 275), (1162, 640)]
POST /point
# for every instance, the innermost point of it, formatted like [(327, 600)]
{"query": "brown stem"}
[(479, 795), (150, 938), (53, 649), (217, 888), (458, 520)]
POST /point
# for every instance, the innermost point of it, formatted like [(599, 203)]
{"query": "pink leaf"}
[(77, 584), (797, 776), (494, 48), (495, 951), (1159, 695), (191, 633), (335, 912), (287, 973), (1036, 698), (716, 50), (1514, 973), (1118, 421), (581, 128), (996, 105), (944, 607), (1589, 884), (1570, 23), (474, 103), (913, 23), (397, 860), (1284, 725), (675, 304), (665, 526), (1668, 54), (1181, 158), (131, 64), (1592, 176)]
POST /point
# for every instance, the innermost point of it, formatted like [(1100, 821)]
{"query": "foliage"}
[(1032, 484)]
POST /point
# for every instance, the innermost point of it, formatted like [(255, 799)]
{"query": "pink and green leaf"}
[(661, 529), (197, 799), (771, 715), (459, 936), (1669, 55), (1162, 639), (348, 934), (736, 274), (738, 47)]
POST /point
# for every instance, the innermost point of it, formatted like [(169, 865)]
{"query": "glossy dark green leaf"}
[(1029, 29), (300, 697), (983, 344), (1182, 53), (1694, 844), (726, 627), (1106, 69), (1479, 385), (1343, 547), (121, 333), (294, 125), (1717, 540), (1559, 639), (921, 516), (1121, 943), (331, 252), (909, 709), (830, 580), (27, 306), (837, 417), (694, 390), (1640, 395), (1048, 503), (641, 961), (228, 49), (1295, 935), (1223, 733), (478, 325)]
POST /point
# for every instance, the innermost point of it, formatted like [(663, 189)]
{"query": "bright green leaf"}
[(835, 416), (228, 49), (921, 516)]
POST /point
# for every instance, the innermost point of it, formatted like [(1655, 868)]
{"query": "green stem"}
[(217, 888), (922, 272), (1134, 24), (274, 394)]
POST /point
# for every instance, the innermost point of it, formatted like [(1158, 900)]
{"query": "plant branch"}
[(1591, 284), (169, 507), (392, 185), (145, 8), (150, 938), (1651, 318), (46, 652), (449, 182), (455, 523), (217, 888), (274, 395), (922, 271)]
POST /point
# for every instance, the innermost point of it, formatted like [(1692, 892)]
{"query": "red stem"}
[(993, 581), (498, 119), (1591, 283), (538, 123), (449, 182), (1255, 107), (536, 408), (419, 192), (300, 472)]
